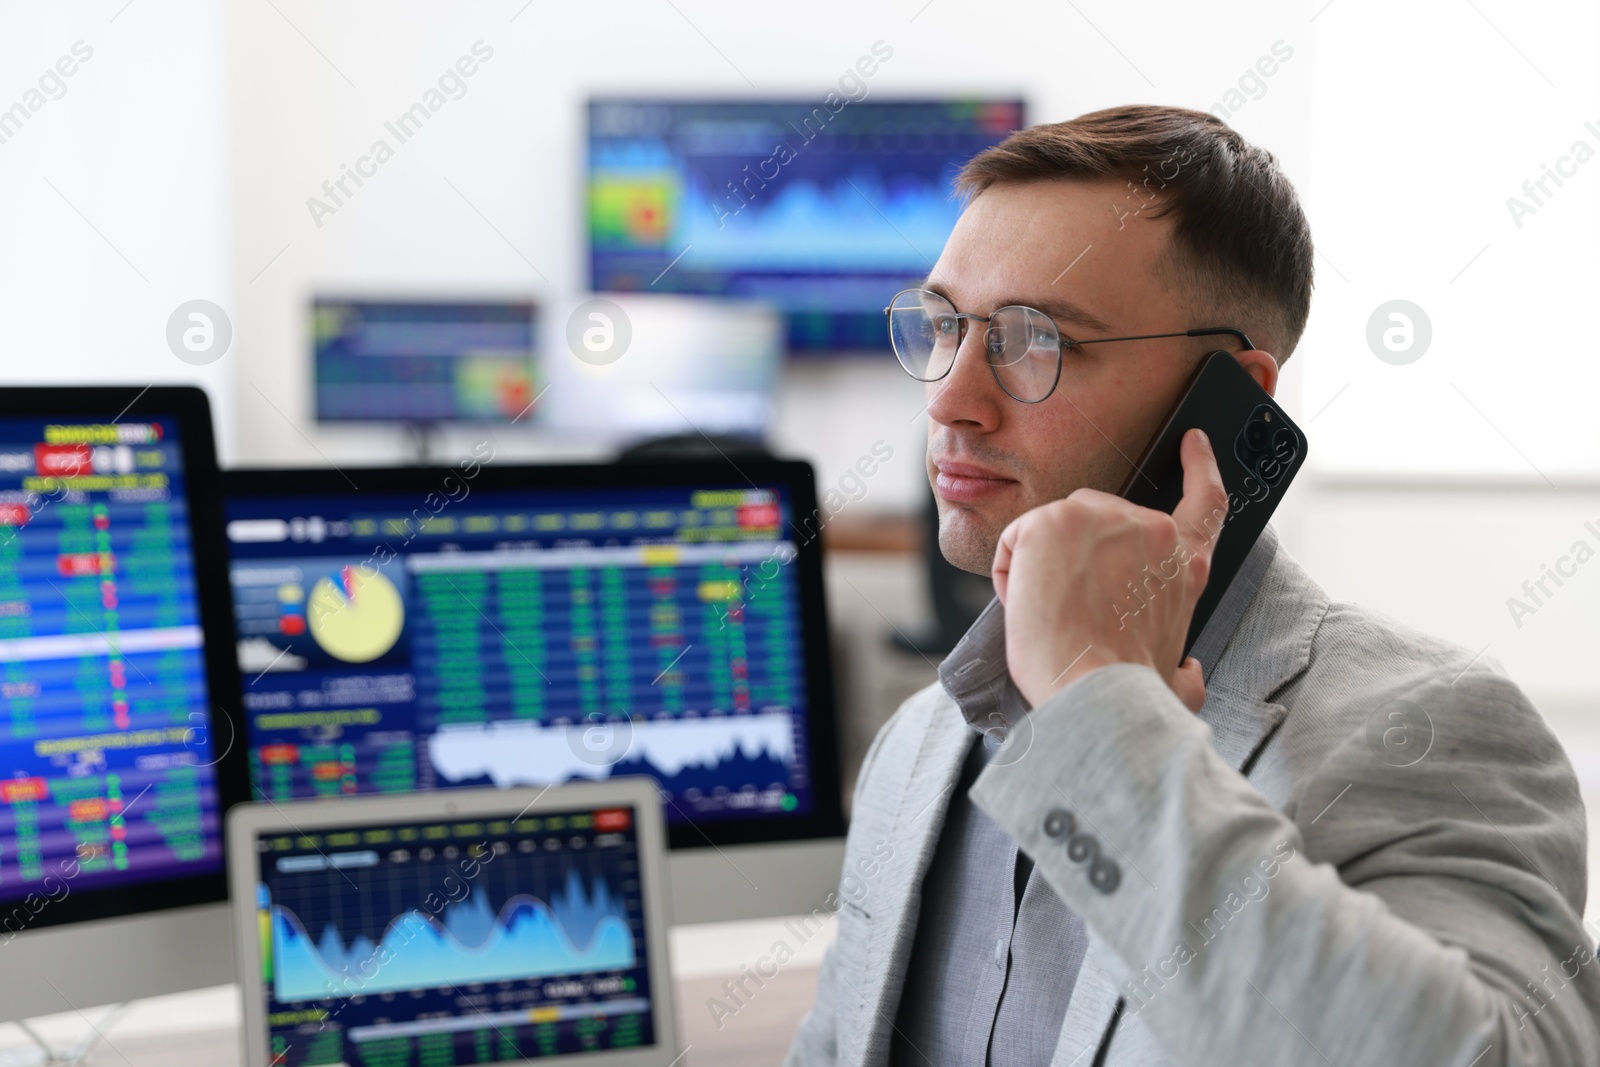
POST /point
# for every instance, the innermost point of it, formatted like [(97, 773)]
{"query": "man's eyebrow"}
[(1067, 311), (1062, 311)]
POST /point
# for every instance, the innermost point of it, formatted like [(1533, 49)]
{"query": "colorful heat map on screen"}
[(423, 361), (825, 212)]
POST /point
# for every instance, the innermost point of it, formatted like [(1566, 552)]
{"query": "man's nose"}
[(968, 396)]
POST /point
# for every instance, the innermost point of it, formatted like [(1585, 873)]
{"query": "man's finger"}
[(1001, 571), (1204, 507), (1189, 683)]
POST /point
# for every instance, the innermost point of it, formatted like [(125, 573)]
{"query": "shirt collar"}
[(978, 662)]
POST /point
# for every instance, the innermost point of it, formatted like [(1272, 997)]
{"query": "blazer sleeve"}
[(1428, 913)]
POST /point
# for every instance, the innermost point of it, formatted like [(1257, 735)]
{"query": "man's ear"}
[(1261, 366)]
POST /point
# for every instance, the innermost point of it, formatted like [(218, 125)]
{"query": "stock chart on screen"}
[(459, 942), (105, 774), (824, 212), (524, 638)]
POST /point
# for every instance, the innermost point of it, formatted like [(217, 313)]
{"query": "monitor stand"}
[(422, 437), (49, 1056)]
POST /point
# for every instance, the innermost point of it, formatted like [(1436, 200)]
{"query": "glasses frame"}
[(1064, 342)]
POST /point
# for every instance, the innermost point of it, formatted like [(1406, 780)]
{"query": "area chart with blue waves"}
[(577, 931)]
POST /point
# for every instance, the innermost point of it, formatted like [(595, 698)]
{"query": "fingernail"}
[(1205, 442)]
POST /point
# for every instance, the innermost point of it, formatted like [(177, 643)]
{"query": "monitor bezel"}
[(190, 408), (248, 822), (826, 819)]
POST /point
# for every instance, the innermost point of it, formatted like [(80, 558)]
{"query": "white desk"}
[(201, 1028)]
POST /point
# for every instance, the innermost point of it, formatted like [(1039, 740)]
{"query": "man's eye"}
[(946, 325)]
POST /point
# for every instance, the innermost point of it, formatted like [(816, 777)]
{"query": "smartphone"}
[(1258, 448)]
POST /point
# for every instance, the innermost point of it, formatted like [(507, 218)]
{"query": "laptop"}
[(466, 927)]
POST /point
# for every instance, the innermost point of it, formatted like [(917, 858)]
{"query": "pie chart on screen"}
[(355, 614)]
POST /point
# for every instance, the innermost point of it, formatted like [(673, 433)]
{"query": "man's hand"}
[(1093, 580)]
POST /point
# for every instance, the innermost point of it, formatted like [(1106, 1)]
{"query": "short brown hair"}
[(1240, 240)]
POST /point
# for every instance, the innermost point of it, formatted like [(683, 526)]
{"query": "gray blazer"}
[(1367, 848)]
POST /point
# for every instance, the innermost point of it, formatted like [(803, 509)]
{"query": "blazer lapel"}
[(892, 931), (1240, 724), (1095, 998)]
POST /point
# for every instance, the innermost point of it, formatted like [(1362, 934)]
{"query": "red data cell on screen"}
[(613, 819), (14, 515), (80, 564), (758, 515), (93, 809), (15, 790), (61, 461)]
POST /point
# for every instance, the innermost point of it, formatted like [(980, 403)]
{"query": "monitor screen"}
[(691, 365), (610, 622), (455, 941), (108, 781), (423, 362), (824, 213)]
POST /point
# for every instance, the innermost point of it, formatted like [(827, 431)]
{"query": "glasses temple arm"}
[(1206, 332), (1212, 331)]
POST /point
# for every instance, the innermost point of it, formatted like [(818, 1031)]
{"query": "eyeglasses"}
[(1022, 344)]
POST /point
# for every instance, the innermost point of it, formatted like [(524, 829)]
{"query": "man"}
[(1326, 838)]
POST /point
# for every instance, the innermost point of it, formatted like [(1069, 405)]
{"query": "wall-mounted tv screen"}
[(823, 213)]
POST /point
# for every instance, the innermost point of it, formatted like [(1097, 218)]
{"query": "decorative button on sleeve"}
[(1059, 823), (1105, 875), (1083, 848)]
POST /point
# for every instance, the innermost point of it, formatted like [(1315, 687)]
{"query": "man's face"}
[(1061, 247)]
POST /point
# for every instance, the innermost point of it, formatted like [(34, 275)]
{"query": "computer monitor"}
[(422, 361), (824, 209), (690, 365), (117, 756), (434, 628)]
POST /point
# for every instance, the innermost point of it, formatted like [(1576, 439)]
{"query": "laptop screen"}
[(454, 942)]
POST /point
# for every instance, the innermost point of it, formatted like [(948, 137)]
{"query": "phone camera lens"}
[(1255, 435), (1283, 444)]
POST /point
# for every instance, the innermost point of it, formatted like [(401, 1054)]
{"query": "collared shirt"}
[(997, 952)]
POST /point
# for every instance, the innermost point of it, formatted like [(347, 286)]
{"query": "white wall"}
[(1428, 119), (118, 206)]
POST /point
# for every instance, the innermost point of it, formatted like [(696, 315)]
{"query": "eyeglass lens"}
[(1021, 344)]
